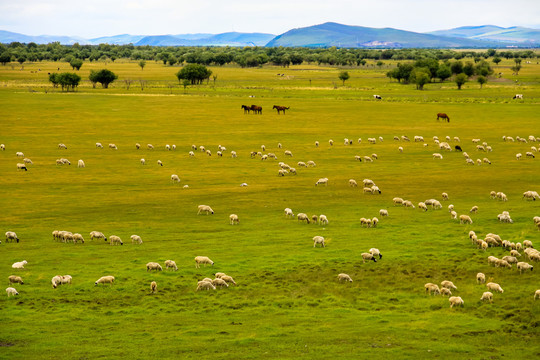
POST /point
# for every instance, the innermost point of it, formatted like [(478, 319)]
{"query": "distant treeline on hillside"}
[(244, 57)]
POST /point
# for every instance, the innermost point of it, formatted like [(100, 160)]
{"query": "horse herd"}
[(258, 109)]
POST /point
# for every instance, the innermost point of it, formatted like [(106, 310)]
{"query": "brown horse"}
[(443, 116), (280, 108), (246, 108), (256, 109)]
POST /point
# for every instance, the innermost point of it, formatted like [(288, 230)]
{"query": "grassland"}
[(288, 303)]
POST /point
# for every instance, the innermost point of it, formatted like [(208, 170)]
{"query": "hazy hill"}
[(514, 34)]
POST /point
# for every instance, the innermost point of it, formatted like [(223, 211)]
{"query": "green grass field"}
[(288, 303)]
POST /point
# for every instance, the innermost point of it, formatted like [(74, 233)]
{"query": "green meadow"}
[(288, 303)]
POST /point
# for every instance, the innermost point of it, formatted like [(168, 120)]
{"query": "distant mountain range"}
[(323, 35)]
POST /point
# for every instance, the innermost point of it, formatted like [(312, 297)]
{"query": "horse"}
[(246, 108), (443, 116), (256, 109), (280, 108)]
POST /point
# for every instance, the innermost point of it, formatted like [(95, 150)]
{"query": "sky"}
[(95, 18)]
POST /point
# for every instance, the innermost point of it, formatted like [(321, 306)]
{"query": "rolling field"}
[(287, 303)]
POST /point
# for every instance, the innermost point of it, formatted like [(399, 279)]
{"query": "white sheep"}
[(527, 244), (62, 146), (206, 209), (311, 163), (19, 154), (480, 278), (446, 292), (423, 206), (487, 296), (170, 264), (323, 220), (113, 147), (160, 163), (99, 146), (191, 153), (318, 240), (397, 201), (219, 282), (205, 285), (437, 156), (465, 219), (21, 166), (302, 217), (494, 287), (97, 235), (456, 300), (322, 181), (153, 266), (453, 215), (2, 147), (11, 291), (383, 212), (19, 265), (353, 183), (228, 279), (28, 161), (448, 284), (77, 238), (153, 287), (368, 256), (344, 277), (408, 203), (202, 260), (518, 156), (175, 178), (375, 252), (14, 279), (524, 266), (11, 236), (432, 288), (143, 161), (289, 213), (136, 239), (233, 219), (105, 280), (233, 154), (115, 240)]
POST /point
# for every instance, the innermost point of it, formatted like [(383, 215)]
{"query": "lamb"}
[(19, 265), (97, 235), (105, 280), (21, 166), (432, 289), (206, 209), (170, 264), (375, 252), (202, 260), (465, 219), (80, 163), (11, 236), (322, 181), (480, 278), (153, 266), (289, 213), (323, 220), (233, 219), (494, 287), (446, 292), (318, 240), (456, 300), (524, 266), (14, 279), (136, 239), (487, 296), (153, 287), (11, 291), (302, 217), (448, 284), (368, 256), (383, 212), (344, 277), (115, 240)]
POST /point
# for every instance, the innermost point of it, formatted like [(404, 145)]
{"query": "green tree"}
[(420, 76), (142, 64), (468, 69), (76, 64), (496, 60), (54, 79), (516, 69), (380, 63), (21, 59), (68, 80), (456, 67), (104, 77), (460, 80), (481, 80), (444, 72), (5, 58), (344, 76), (195, 73)]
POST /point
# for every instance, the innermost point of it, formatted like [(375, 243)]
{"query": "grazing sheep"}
[(397, 201), (529, 154), (19, 265), (515, 253), (453, 215), (233, 219), (465, 219), (480, 278), (160, 163), (78, 238), (205, 285), (383, 212), (311, 163), (11, 236), (105, 280), (432, 289), (524, 266), (136, 239), (97, 235), (374, 222), (206, 209), (518, 156), (99, 146), (527, 244), (14, 279), (375, 252), (202, 260), (170, 264), (474, 209), (368, 256), (115, 240), (28, 161), (487, 296), (437, 156), (448, 284), (219, 282), (537, 294), (494, 287), (80, 164), (289, 213), (502, 263), (344, 277), (113, 147), (408, 203), (422, 206), (353, 183), (19, 154), (318, 240), (456, 300), (364, 221), (62, 146), (21, 166), (444, 196), (153, 266), (302, 217), (11, 291), (446, 292), (153, 287), (143, 161), (322, 181), (288, 153), (323, 220), (2, 147)]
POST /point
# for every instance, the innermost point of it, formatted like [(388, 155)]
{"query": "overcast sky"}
[(94, 18)]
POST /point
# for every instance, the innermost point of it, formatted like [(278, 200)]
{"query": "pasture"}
[(288, 303)]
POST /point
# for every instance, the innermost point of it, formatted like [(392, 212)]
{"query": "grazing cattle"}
[(518, 96), (246, 108), (443, 116), (458, 148), (377, 97), (256, 109), (280, 108)]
